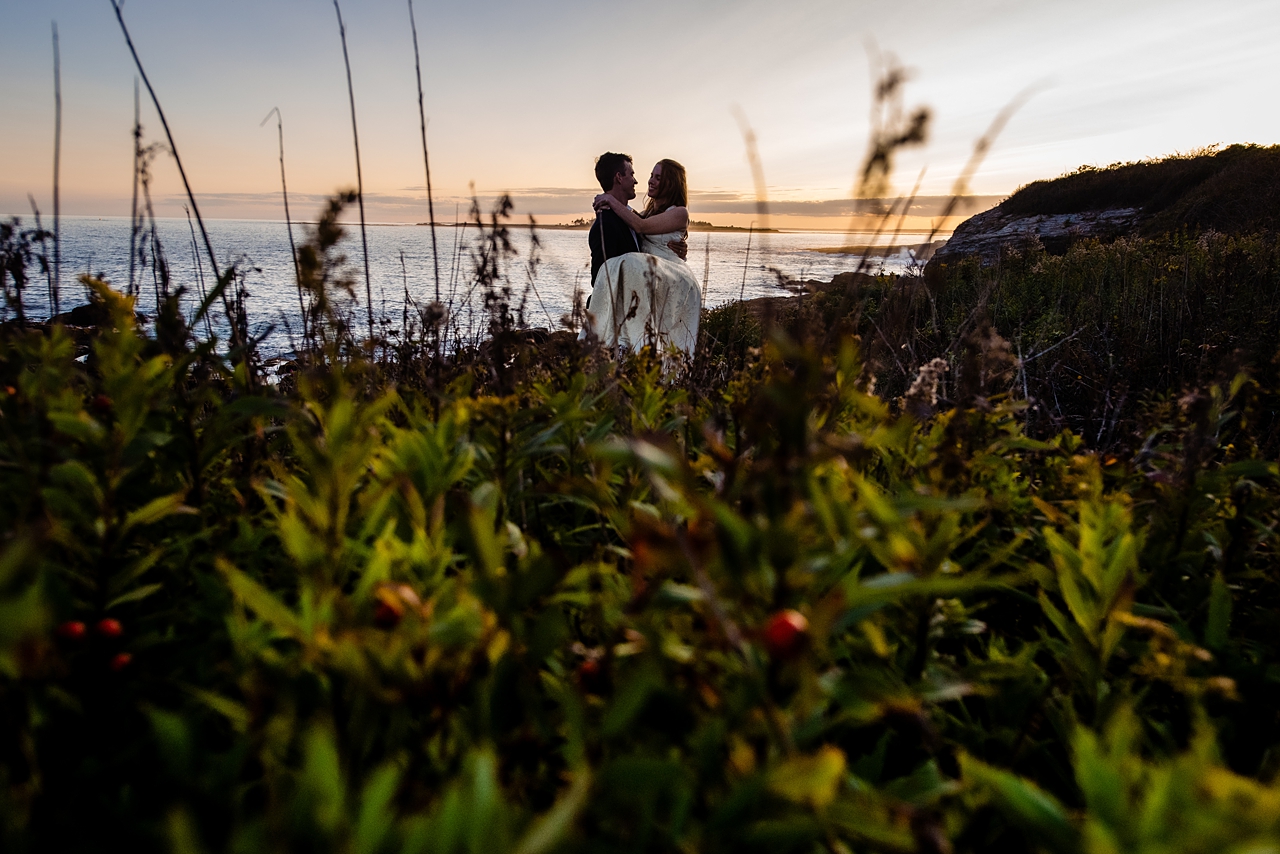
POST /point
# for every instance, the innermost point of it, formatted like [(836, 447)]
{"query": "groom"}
[(610, 236)]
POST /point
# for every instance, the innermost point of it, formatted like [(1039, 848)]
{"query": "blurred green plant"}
[(578, 605)]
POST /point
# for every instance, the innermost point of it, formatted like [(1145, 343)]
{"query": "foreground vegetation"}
[(525, 598), (1102, 340)]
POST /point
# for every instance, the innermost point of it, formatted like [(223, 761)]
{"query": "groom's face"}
[(624, 183)]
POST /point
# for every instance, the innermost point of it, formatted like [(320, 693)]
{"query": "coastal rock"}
[(985, 235), (1231, 190), (90, 315)]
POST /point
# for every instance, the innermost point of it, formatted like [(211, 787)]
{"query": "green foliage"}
[(1119, 342), (355, 617)]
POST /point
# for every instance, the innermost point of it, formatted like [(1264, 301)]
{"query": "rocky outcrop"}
[(986, 234), (91, 314), (1235, 190)]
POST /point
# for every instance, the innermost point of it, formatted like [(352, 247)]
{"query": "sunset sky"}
[(522, 95)]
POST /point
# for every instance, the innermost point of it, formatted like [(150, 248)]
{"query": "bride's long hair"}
[(673, 189)]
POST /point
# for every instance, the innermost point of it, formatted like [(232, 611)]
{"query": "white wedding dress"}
[(647, 297)]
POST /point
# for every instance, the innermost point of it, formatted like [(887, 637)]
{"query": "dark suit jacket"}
[(619, 239)]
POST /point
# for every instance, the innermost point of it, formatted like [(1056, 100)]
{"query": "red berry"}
[(784, 635), (120, 661), (110, 628), (590, 676), (101, 402), (72, 630), (386, 616)]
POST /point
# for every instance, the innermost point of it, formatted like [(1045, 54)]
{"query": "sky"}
[(521, 96)]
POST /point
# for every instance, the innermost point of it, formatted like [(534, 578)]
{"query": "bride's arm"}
[(672, 219)]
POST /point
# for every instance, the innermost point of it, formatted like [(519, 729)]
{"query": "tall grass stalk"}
[(980, 151), (173, 146), (137, 174), (195, 256), (742, 291), (404, 312), (706, 268), (426, 159), (57, 163), (757, 167), (288, 220), (42, 236), (906, 209), (355, 135), (458, 229)]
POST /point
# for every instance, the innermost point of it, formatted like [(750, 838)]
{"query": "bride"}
[(651, 296)]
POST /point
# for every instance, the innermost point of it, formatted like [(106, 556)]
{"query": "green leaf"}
[(629, 701), (876, 503), (183, 835), (1056, 617), (155, 510), (173, 738), (376, 818), (300, 541), (260, 600), (1032, 809), (553, 826), (1081, 604), (484, 510), (484, 803), (77, 425), (923, 786), (1219, 623), (134, 595), (75, 478), (133, 573), (794, 833), (810, 779), (21, 615), (235, 713), (15, 557), (871, 766), (1101, 783), (1253, 469), (321, 779)]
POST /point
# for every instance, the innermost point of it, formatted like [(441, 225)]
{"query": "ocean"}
[(400, 260)]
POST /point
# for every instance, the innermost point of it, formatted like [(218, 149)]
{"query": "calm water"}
[(101, 246)]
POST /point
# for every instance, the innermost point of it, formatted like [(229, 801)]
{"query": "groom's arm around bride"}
[(609, 236)]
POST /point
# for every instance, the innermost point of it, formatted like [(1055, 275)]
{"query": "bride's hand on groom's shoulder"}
[(602, 201)]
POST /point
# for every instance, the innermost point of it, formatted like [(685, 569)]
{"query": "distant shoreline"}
[(355, 223), (695, 228), (866, 248)]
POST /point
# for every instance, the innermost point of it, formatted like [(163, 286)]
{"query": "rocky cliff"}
[(1235, 190), (987, 233)]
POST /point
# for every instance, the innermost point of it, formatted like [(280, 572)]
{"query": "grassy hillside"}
[(1100, 340), (1235, 190)]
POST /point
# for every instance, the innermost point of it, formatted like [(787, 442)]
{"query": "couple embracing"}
[(642, 292)]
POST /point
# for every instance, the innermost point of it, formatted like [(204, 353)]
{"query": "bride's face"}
[(654, 177)]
